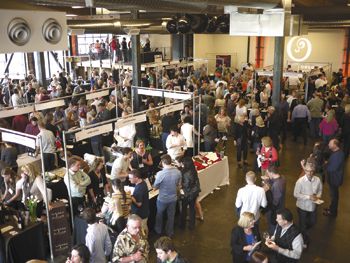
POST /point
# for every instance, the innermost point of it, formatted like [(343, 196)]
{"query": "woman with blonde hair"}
[(243, 238), (223, 122), (328, 126), (99, 185), (267, 155)]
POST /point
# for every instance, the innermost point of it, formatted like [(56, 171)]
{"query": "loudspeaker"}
[(30, 31)]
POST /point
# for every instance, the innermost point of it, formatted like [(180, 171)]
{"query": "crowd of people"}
[(233, 105)]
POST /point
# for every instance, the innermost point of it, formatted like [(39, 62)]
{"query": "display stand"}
[(179, 95), (49, 104), (30, 141)]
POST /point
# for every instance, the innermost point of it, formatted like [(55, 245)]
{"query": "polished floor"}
[(210, 241)]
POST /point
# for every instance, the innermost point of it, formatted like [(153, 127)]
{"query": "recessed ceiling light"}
[(71, 15), (77, 6)]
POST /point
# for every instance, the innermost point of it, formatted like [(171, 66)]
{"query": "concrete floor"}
[(210, 241)]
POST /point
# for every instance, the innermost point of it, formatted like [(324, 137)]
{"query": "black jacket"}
[(238, 241)]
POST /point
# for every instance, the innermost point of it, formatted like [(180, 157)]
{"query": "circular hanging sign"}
[(299, 49)]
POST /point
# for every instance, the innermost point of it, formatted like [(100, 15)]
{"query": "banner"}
[(97, 94), (18, 139), (88, 133), (178, 96), (171, 108), (130, 120), (49, 105), (149, 92), (16, 111)]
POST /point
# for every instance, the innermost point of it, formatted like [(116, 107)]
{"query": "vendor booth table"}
[(213, 176)]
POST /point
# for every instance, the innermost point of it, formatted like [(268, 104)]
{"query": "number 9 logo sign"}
[(299, 49)]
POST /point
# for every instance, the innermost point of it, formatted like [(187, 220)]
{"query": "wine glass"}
[(266, 235)]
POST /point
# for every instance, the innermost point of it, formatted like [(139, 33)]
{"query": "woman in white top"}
[(241, 110), (11, 197), (37, 188), (223, 122), (264, 97)]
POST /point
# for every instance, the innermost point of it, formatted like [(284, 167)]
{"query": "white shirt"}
[(303, 189), (240, 111), (125, 135), (179, 149), (293, 81), (250, 198), (38, 189), (119, 165), (98, 241), (320, 83), (16, 100), (187, 133), (48, 140)]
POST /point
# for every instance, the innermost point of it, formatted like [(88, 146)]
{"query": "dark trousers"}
[(306, 220), (314, 127), (97, 148), (209, 146), (300, 129), (346, 144), (334, 191), (242, 148), (78, 205), (49, 161), (164, 137), (190, 203)]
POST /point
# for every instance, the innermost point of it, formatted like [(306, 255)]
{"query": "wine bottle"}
[(20, 221)]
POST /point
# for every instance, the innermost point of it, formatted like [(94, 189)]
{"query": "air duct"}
[(29, 31)]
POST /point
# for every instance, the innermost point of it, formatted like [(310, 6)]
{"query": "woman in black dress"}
[(98, 185)]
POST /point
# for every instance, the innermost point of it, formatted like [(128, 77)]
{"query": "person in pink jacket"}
[(328, 126)]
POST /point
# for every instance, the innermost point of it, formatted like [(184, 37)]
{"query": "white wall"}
[(208, 46), (162, 42), (327, 47)]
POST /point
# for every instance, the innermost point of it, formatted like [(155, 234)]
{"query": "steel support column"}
[(40, 68), (277, 70), (136, 64)]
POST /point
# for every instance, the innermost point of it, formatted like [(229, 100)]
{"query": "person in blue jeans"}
[(167, 181)]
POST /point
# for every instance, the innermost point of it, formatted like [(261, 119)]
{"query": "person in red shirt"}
[(113, 46), (19, 123), (268, 154)]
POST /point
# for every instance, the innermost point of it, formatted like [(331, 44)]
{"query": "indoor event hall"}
[(174, 131)]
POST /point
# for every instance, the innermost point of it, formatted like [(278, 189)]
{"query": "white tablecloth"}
[(213, 176)]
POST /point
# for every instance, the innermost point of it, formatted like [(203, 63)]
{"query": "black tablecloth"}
[(59, 190), (26, 245)]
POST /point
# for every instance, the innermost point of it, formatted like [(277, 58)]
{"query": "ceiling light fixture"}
[(71, 15), (77, 6)]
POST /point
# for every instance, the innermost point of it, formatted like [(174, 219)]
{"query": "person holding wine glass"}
[(243, 238)]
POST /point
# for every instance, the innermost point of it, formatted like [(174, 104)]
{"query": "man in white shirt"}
[(121, 165), (97, 238), (125, 135), (321, 81), (49, 146), (307, 190), (293, 82), (251, 197), (287, 241), (175, 143)]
